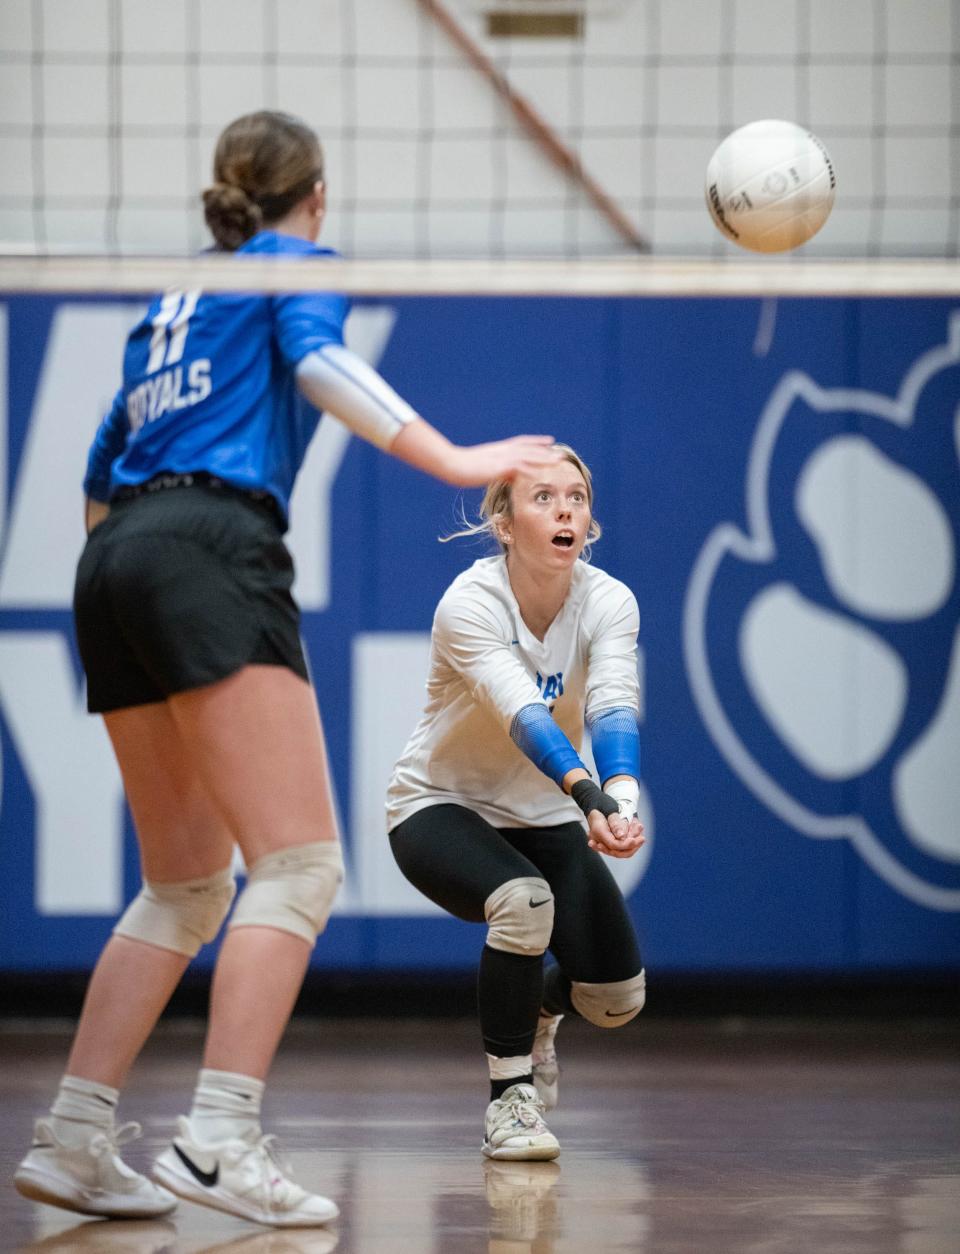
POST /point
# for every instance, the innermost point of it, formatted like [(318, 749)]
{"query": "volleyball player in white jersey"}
[(190, 644), (487, 805)]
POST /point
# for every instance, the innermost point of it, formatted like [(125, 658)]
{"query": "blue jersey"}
[(208, 385)]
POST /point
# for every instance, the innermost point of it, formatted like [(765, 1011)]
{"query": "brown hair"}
[(264, 164), (497, 506)]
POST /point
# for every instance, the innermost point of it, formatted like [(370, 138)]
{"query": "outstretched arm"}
[(335, 379)]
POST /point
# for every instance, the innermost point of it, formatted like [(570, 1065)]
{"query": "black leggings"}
[(457, 859)]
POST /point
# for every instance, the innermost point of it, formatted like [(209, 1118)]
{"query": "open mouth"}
[(563, 540)]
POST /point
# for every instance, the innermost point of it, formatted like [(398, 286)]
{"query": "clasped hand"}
[(615, 836)]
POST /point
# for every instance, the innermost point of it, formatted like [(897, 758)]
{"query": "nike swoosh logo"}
[(207, 1178), (534, 904), (618, 1014)]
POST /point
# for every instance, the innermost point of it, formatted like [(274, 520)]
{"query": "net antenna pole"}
[(540, 131)]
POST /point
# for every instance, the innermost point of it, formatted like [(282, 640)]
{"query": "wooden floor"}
[(676, 1137)]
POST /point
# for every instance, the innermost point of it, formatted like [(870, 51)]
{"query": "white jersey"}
[(485, 666)]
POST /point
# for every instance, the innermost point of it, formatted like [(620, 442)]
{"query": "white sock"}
[(81, 1109), (509, 1068), (226, 1107)]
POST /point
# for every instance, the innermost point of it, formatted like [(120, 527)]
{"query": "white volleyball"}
[(770, 186)]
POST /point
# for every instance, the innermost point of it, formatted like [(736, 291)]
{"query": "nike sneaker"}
[(242, 1177), (91, 1179), (514, 1127)]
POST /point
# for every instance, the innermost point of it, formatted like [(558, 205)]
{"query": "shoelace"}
[(526, 1112), (110, 1142), (275, 1173), (126, 1133), (103, 1141)]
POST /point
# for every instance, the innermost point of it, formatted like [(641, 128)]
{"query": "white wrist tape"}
[(626, 793)]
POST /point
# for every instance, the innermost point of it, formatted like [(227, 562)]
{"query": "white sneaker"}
[(92, 1179), (546, 1069), (515, 1128), (240, 1177)]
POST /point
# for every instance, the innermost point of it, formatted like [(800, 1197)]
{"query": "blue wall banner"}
[(779, 483)]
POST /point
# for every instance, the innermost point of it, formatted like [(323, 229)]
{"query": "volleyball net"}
[(477, 128)]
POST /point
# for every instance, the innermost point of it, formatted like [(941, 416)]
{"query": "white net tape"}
[(636, 277)]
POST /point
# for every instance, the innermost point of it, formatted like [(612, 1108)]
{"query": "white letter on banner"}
[(4, 437), (389, 690), (65, 754), (367, 333), (81, 369), (67, 758)]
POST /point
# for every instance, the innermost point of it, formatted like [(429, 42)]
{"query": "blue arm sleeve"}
[(108, 444), (535, 733), (616, 743)]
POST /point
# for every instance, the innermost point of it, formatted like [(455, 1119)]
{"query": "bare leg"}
[(258, 976), (130, 986), (257, 743), (244, 760), (182, 836)]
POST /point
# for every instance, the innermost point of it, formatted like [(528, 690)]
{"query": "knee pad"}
[(292, 890), (181, 916), (609, 1005), (520, 915)]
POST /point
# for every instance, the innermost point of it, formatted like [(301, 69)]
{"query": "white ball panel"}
[(770, 186)]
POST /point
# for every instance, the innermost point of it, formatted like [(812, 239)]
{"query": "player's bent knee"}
[(292, 890), (520, 916), (609, 1005), (181, 916)]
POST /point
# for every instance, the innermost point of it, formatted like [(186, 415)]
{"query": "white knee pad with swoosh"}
[(609, 1005), (520, 915), (292, 890), (181, 916)]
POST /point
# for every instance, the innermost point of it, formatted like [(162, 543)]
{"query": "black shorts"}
[(179, 588)]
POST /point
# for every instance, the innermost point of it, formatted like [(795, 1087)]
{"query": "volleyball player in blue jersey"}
[(189, 638)]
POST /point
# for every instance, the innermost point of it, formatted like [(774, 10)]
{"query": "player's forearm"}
[(94, 513), (573, 777), (425, 448)]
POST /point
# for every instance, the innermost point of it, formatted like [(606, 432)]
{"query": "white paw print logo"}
[(823, 645)]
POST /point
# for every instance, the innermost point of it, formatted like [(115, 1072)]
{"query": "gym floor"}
[(731, 1135)]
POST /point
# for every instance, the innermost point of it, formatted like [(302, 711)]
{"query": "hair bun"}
[(231, 215)]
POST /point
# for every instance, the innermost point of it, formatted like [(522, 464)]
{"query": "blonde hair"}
[(497, 507), (264, 164)]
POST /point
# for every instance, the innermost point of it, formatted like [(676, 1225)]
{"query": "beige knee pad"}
[(609, 1005), (181, 916), (520, 915), (292, 889)]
